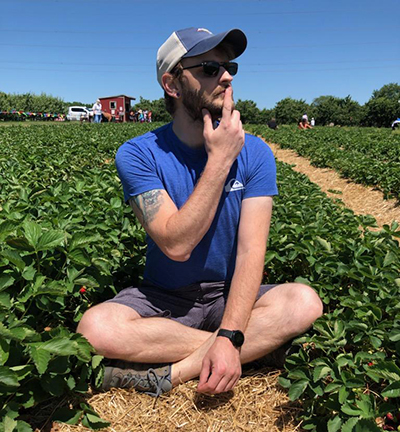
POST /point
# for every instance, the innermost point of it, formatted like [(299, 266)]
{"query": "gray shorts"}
[(199, 305)]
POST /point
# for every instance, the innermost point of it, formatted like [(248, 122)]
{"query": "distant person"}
[(121, 114), (396, 123), (149, 114), (305, 117), (97, 108), (312, 121), (272, 124), (304, 124)]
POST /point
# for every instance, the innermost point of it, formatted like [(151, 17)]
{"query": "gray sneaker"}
[(143, 377)]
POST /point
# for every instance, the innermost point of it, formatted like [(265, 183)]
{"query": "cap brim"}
[(234, 37)]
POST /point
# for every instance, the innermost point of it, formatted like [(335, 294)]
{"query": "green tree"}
[(289, 111), (249, 113), (331, 109), (157, 107), (383, 106)]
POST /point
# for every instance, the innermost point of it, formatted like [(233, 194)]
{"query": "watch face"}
[(238, 338)]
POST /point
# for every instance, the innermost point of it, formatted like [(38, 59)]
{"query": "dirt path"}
[(360, 199)]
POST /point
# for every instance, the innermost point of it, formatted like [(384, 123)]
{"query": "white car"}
[(78, 113)]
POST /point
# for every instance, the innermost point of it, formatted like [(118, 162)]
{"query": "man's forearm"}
[(186, 227), (243, 291)]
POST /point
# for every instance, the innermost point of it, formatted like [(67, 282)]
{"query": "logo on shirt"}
[(233, 185), (204, 30)]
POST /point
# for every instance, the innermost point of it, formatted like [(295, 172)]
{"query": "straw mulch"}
[(361, 199), (257, 403)]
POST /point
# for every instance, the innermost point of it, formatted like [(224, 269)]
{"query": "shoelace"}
[(151, 381), (157, 382)]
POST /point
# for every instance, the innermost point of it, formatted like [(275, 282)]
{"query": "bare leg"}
[(279, 315), (137, 339)]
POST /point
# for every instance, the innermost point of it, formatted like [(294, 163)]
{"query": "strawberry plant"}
[(68, 241), (370, 156)]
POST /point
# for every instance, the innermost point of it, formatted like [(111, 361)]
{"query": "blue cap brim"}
[(235, 37)]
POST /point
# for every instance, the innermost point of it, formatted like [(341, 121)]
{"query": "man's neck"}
[(188, 131)]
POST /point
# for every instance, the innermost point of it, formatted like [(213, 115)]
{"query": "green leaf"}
[(67, 415), (115, 203), (50, 240), (321, 372), (386, 370), (32, 233), (351, 410), (41, 358), (82, 238), (349, 425), (96, 361), (392, 390), (5, 301), (79, 256), (284, 382), (333, 387), (8, 377), (22, 371), (29, 273), (4, 351), (325, 244), (390, 258), (334, 424), (9, 424), (365, 425), (87, 281), (297, 389), (59, 346), (6, 281), (394, 335), (23, 426), (14, 257), (94, 422)]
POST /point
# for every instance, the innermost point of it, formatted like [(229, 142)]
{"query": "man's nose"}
[(225, 76)]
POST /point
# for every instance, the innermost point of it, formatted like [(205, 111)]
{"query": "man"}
[(304, 124), (272, 124), (203, 193), (97, 107)]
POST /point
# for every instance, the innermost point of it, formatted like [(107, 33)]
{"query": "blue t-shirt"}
[(159, 160)]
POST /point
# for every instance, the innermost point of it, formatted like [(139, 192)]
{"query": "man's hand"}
[(224, 143), (221, 368)]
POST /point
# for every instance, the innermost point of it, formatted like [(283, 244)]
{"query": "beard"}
[(195, 100)]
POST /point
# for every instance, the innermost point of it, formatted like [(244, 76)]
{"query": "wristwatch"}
[(235, 336)]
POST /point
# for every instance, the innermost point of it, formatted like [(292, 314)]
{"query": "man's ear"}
[(171, 85)]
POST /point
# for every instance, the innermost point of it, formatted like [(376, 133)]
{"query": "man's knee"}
[(92, 325), (307, 303), (100, 326)]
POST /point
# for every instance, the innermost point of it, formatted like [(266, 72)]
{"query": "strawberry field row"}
[(370, 156), (67, 241)]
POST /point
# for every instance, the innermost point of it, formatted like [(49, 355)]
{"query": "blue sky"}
[(79, 50)]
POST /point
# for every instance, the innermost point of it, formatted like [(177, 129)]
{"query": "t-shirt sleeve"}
[(261, 170), (137, 169)]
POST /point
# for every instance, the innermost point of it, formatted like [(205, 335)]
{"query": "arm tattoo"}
[(148, 204)]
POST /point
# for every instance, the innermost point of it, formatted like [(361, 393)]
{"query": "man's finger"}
[(228, 103), (207, 120), (205, 372), (212, 383)]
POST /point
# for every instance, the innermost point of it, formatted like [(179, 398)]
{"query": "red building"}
[(117, 106)]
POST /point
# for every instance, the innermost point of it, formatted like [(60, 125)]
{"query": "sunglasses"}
[(211, 68)]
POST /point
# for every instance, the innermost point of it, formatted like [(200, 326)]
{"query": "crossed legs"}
[(117, 331)]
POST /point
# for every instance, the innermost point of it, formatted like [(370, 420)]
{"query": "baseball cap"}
[(191, 42)]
